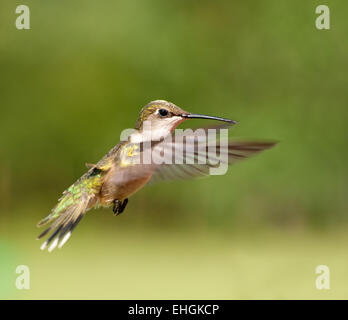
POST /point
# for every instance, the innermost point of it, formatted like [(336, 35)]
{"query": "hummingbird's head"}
[(165, 116), (169, 115), (161, 113)]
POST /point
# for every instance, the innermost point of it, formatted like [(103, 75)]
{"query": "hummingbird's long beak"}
[(202, 116)]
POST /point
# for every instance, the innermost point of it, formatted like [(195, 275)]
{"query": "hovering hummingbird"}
[(118, 175)]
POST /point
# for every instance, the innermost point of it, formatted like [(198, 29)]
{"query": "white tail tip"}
[(43, 246), (53, 245), (65, 239)]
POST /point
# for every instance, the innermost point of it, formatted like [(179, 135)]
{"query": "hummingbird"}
[(117, 176)]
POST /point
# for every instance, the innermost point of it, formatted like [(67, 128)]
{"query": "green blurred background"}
[(72, 83)]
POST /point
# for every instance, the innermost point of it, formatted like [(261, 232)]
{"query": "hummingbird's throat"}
[(156, 130)]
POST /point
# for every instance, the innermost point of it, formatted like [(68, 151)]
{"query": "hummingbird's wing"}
[(181, 164), (200, 162)]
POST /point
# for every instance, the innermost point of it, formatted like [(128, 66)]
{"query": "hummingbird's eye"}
[(163, 112)]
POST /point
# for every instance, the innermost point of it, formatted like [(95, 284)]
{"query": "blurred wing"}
[(182, 164), (235, 152)]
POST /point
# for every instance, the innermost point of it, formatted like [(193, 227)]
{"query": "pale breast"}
[(125, 178)]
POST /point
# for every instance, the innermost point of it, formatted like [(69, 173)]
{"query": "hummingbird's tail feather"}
[(63, 227), (69, 211)]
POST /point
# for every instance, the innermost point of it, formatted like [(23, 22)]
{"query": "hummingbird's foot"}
[(123, 206), (116, 207), (119, 206)]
